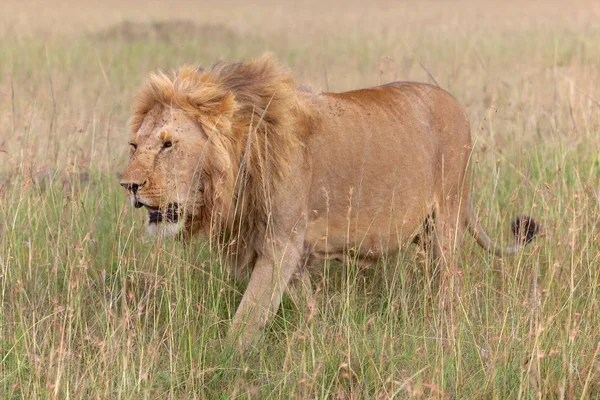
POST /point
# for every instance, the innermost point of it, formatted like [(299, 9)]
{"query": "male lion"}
[(278, 176)]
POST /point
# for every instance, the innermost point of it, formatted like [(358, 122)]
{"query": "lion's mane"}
[(255, 119)]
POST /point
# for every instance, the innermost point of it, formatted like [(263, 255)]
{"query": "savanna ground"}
[(93, 308)]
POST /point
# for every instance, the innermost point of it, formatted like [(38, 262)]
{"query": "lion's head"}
[(199, 154)]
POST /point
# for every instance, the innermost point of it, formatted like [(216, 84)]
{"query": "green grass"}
[(93, 308)]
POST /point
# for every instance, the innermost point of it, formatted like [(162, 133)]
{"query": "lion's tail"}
[(523, 227)]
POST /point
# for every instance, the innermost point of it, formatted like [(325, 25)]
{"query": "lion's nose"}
[(133, 187)]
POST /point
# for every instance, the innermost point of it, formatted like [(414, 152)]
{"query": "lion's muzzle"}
[(171, 214)]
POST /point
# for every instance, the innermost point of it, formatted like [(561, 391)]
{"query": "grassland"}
[(92, 308)]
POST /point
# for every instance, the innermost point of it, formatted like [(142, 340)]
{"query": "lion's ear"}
[(222, 112), (226, 106), (216, 113)]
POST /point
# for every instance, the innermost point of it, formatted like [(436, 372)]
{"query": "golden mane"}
[(279, 177), (254, 117)]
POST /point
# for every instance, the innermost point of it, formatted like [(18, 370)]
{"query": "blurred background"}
[(68, 70)]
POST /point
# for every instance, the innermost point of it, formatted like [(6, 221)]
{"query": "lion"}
[(279, 176)]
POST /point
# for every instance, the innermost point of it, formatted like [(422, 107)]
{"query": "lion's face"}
[(164, 173)]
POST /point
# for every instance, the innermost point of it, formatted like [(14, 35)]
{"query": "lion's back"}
[(380, 149), (373, 133)]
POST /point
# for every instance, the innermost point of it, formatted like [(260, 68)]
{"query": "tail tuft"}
[(524, 228)]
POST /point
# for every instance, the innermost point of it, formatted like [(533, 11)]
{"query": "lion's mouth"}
[(156, 215)]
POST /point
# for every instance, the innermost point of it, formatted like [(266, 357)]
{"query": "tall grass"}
[(93, 308)]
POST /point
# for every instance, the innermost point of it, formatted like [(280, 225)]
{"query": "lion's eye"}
[(167, 144), (133, 145)]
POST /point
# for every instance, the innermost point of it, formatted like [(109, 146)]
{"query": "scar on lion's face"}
[(165, 147)]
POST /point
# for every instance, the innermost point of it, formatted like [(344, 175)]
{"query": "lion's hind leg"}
[(449, 225), (425, 253)]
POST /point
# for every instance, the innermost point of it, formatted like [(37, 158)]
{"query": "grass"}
[(92, 308)]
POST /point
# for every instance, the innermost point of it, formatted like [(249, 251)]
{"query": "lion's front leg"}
[(262, 297)]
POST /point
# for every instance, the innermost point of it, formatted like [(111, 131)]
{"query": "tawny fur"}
[(280, 176), (253, 116)]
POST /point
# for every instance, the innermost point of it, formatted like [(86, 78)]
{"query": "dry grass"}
[(93, 309)]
